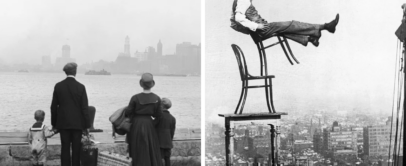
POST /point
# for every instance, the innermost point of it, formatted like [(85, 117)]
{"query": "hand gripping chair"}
[(245, 77)]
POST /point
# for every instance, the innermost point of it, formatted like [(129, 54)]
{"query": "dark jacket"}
[(166, 125), (69, 105)]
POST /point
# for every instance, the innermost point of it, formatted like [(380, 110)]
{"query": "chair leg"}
[(239, 102), (245, 96), (290, 51), (267, 96), (260, 58), (271, 95), (284, 50), (265, 67)]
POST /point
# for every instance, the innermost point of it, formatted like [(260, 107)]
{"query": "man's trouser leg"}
[(76, 147), (167, 161), (65, 147), (166, 155), (68, 137), (294, 30), (301, 28)]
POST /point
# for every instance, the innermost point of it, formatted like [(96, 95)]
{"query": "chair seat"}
[(257, 38), (282, 40), (250, 77)]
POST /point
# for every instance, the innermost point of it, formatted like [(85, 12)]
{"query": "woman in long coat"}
[(142, 138)]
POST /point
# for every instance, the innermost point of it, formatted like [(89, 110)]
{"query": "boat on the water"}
[(23, 71), (171, 75), (101, 72)]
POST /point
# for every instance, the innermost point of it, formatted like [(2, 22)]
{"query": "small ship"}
[(101, 72)]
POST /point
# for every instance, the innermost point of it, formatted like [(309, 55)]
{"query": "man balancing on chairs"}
[(246, 19)]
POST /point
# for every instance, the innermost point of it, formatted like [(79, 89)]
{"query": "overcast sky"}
[(95, 29), (351, 70)]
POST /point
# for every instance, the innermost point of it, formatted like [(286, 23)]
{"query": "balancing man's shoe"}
[(314, 40), (331, 26)]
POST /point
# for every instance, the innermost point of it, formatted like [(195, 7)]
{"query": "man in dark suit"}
[(166, 125), (69, 115)]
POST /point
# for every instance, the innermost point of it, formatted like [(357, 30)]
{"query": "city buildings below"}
[(380, 139), (300, 145), (341, 141), (359, 131), (318, 141)]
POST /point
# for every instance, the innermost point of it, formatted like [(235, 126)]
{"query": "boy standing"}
[(37, 138), (166, 130)]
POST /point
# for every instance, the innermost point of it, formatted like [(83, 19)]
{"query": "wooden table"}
[(247, 117)]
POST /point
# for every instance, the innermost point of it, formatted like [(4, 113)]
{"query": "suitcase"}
[(89, 153)]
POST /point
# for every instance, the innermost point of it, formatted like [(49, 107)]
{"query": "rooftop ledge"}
[(20, 137), (253, 116), (14, 148)]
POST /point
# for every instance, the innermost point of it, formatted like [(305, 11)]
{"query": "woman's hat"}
[(147, 81)]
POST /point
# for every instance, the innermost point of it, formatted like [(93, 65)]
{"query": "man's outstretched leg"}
[(298, 31)]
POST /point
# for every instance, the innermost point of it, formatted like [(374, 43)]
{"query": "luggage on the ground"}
[(89, 153)]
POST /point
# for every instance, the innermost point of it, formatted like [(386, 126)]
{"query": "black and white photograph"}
[(202, 82), (100, 82), (309, 83)]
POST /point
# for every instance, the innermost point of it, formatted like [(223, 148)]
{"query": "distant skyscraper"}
[(151, 53), (61, 61), (66, 51), (127, 46), (159, 48)]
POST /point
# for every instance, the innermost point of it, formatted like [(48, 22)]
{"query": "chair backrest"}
[(242, 65)]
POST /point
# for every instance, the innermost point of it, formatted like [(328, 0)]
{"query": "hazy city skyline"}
[(94, 30)]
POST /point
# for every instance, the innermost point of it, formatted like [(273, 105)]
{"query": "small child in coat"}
[(37, 138), (166, 125)]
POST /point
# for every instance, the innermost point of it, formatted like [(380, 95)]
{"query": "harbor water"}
[(23, 93)]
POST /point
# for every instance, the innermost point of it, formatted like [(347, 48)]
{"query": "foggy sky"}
[(351, 70), (94, 29)]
